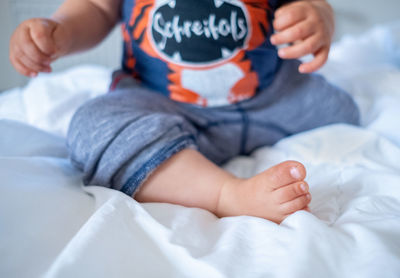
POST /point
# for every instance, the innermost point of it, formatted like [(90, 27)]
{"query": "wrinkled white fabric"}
[(51, 226)]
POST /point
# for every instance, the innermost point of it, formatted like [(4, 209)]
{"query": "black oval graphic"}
[(199, 32)]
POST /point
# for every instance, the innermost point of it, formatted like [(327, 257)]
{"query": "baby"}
[(201, 82)]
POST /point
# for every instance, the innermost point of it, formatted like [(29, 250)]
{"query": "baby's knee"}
[(125, 149), (84, 121)]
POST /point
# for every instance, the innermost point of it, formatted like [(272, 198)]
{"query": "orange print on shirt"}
[(246, 82)]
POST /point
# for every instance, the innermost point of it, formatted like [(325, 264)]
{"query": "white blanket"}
[(53, 227)]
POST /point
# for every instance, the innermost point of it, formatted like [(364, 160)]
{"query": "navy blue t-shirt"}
[(205, 52)]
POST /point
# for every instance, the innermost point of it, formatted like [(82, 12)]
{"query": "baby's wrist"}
[(63, 37)]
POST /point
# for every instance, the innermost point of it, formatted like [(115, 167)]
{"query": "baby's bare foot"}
[(273, 194)]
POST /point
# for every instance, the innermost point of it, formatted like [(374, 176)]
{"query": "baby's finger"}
[(288, 16), (22, 69), (32, 65), (303, 48), (294, 33), (33, 52), (42, 36), (320, 58)]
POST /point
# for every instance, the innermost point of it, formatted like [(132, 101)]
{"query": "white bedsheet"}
[(50, 226)]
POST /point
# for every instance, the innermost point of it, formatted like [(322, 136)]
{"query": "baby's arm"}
[(77, 25), (308, 27)]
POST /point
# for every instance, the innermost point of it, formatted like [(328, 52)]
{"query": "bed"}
[(52, 226)]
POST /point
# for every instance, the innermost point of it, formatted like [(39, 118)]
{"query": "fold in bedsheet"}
[(51, 227)]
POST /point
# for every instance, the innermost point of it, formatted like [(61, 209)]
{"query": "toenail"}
[(303, 187), (295, 173), (308, 196)]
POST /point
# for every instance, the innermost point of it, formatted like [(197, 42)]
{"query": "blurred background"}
[(352, 17)]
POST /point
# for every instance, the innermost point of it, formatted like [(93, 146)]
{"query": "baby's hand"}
[(308, 27), (35, 44)]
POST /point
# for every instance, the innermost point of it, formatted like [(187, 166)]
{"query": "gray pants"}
[(118, 139)]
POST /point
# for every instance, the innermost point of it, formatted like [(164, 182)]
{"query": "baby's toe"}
[(297, 204), (290, 192), (283, 174)]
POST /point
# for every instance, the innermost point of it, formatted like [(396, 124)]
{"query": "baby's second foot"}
[(273, 194)]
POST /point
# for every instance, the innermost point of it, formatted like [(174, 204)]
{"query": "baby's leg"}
[(140, 143), (189, 179)]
